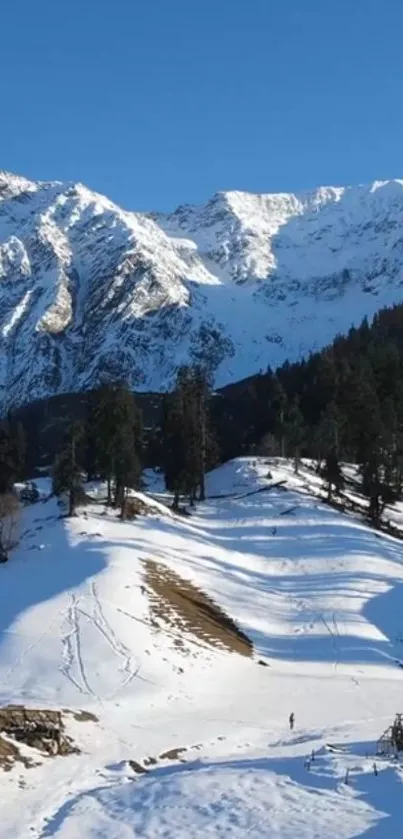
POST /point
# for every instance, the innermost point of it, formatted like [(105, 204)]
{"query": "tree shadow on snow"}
[(45, 564), (273, 566)]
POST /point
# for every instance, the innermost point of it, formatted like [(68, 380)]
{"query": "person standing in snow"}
[(291, 719)]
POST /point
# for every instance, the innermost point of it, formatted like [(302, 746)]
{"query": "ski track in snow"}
[(129, 667), (72, 652)]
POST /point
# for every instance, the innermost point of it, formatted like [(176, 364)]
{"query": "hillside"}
[(158, 628), (238, 284)]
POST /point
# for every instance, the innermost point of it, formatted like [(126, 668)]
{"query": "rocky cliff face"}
[(87, 289)]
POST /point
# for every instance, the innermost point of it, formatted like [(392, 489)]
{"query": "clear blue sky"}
[(160, 102)]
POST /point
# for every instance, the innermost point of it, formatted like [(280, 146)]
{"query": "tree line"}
[(110, 445), (344, 403), (12, 469)]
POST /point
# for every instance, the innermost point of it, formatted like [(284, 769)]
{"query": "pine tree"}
[(173, 445), (101, 434), (279, 407), (392, 452), (188, 444), (203, 437), (375, 463), (332, 473), (67, 467), (372, 444), (12, 454), (295, 431), (91, 459), (372, 484), (193, 434), (326, 438), (115, 437), (181, 455), (19, 449), (128, 444)]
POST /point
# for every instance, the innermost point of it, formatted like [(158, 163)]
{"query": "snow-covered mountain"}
[(239, 283)]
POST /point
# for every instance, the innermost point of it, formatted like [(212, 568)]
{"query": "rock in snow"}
[(243, 282)]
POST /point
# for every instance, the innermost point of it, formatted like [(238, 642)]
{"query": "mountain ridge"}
[(244, 281)]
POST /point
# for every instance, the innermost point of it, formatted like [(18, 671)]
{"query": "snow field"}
[(318, 593)]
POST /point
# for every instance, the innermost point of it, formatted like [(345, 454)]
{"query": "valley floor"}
[(86, 624)]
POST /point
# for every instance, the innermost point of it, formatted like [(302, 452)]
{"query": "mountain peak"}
[(240, 282)]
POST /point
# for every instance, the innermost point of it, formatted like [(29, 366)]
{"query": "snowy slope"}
[(239, 283), (318, 594)]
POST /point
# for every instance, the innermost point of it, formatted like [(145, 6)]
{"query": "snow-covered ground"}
[(320, 596)]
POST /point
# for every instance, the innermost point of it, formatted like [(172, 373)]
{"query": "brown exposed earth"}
[(135, 506), (10, 754), (137, 768), (189, 612), (40, 729), (175, 755), (81, 716)]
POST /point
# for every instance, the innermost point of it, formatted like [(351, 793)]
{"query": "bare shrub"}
[(134, 507)]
